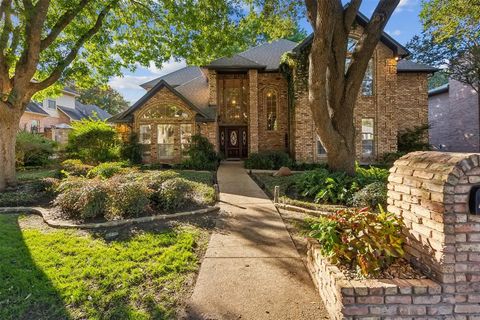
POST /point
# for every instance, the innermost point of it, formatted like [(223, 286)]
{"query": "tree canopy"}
[(104, 97)]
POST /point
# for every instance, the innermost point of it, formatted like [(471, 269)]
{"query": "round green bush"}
[(154, 180), (83, 199), (371, 196), (130, 199), (75, 167), (106, 170), (174, 194)]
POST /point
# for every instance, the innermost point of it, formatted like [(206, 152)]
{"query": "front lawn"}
[(53, 274)]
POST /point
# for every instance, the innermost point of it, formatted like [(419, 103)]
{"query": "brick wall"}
[(430, 191), (253, 111), (399, 101), (453, 118), (272, 139)]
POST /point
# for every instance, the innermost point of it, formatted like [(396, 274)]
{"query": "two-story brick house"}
[(256, 101)]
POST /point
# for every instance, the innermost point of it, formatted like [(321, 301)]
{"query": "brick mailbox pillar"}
[(434, 193)]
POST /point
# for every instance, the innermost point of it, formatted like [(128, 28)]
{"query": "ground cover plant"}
[(321, 186), (59, 274), (360, 240)]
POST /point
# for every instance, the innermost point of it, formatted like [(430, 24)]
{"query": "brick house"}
[(454, 117), (256, 100), (52, 116)]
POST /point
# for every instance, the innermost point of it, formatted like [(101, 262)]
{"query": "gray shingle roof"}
[(175, 78), (36, 108), (91, 111), (235, 62), (269, 54), (410, 66), (196, 90), (71, 113)]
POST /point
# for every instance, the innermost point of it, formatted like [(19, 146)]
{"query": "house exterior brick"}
[(230, 102)]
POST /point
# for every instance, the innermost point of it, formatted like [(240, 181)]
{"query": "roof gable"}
[(126, 116), (398, 49), (175, 78)]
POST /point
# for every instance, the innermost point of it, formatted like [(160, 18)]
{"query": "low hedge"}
[(268, 160), (130, 195)]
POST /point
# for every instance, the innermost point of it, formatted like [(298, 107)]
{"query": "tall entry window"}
[(166, 140), (233, 99), (271, 104)]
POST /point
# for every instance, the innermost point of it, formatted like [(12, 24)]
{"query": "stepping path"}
[(251, 269)]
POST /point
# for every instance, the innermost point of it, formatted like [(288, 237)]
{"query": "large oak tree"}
[(333, 86), (44, 43)]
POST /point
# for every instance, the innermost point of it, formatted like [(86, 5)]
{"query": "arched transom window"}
[(271, 103), (166, 111)]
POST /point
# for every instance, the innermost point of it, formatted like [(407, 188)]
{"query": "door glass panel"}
[(233, 138)]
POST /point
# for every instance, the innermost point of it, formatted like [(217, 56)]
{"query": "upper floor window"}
[(271, 106), (165, 111), (52, 104), (367, 83)]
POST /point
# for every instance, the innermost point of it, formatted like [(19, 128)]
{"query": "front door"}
[(234, 142)]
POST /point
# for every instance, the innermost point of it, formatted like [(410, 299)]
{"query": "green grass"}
[(35, 174), (67, 275)]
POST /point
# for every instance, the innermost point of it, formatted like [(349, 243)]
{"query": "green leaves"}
[(359, 239)]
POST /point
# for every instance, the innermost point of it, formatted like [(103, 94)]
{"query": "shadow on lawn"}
[(25, 291)]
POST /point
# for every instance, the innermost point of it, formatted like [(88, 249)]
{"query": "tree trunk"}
[(9, 124)]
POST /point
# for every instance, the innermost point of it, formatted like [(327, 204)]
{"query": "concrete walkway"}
[(251, 269)]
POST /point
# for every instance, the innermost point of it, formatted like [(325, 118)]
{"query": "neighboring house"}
[(257, 101), (53, 116), (454, 117)]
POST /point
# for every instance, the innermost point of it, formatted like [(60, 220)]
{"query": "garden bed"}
[(357, 299)]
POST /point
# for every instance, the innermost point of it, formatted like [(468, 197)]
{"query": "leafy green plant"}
[(32, 149), (92, 141), (174, 194), (268, 160), (360, 240), (131, 150), (127, 200), (106, 170), (75, 167), (201, 155), (372, 195), (83, 199)]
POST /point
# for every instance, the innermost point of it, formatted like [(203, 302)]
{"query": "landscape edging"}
[(43, 212)]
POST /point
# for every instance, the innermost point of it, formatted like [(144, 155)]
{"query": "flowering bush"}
[(361, 240)]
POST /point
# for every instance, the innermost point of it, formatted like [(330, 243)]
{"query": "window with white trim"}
[(166, 140), (367, 137), (52, 104), (186, 132), (35, 126)]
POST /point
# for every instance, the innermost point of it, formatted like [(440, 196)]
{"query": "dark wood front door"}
[(234, 142)]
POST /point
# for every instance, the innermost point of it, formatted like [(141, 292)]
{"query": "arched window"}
[(271, 98), (165, 111)]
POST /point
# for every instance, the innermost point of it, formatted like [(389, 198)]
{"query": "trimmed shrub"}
[(75, 167), (33, 149), (92, 141), (174, 194), (372, 196), (360, 240), (106, 170), (268, 160), (203, 194), (154, 180), (128, 200), (131, 150), (83, 199), (201, 155)]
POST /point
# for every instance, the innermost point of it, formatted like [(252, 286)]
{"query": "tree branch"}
[(5, 10), (350, 14), (62, 65), (62, 23), (367, 44)]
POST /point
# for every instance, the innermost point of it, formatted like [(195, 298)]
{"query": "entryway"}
[(234, 141)]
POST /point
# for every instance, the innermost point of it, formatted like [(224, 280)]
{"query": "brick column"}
[(431, 191), (253, 112), (212, 84)]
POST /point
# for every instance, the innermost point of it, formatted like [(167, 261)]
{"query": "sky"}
[(403, 25)]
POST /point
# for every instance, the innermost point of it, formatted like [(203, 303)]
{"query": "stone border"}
[(44, 213), (286, 206), (373, 298)]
